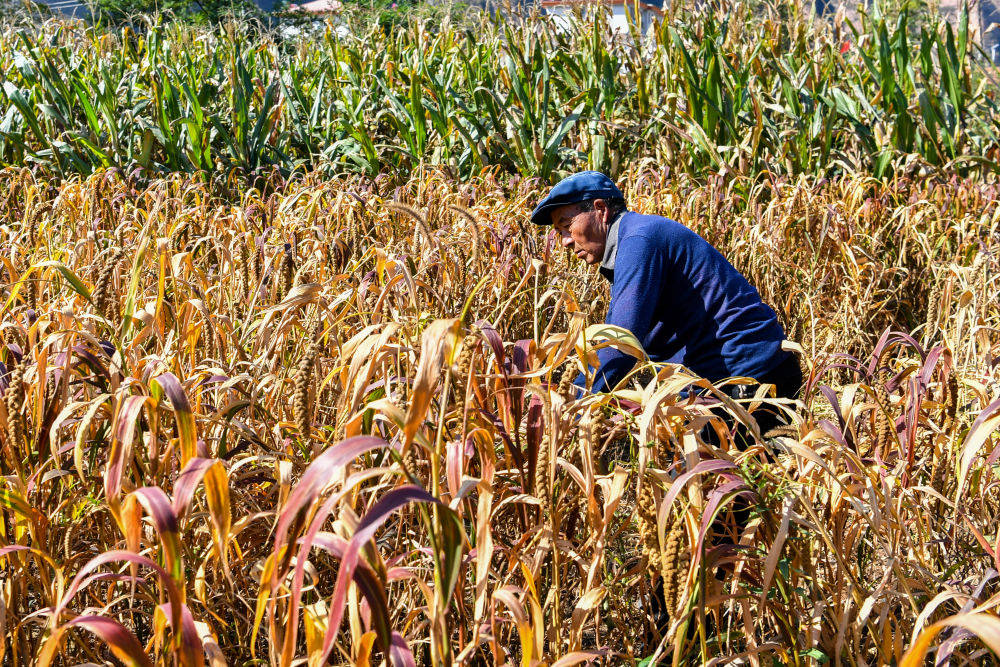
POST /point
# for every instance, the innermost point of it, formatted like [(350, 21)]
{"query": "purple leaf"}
[(123, 644), (372, 520), (81, 579), (192, 651), (701, 468)]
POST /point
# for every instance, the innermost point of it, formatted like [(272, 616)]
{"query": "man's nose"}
[(566, 240)]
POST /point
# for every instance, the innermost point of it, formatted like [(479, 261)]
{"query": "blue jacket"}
[(685, 303)]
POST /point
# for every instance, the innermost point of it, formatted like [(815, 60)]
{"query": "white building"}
[(648, 10)]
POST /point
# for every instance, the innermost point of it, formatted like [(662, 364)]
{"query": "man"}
[(675, 292), (678, 295)]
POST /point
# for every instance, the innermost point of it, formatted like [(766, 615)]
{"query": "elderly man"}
[(675, 292)]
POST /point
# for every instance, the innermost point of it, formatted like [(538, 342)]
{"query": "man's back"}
[(685, 303)]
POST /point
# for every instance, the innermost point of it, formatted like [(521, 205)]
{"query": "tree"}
[(196, 10)]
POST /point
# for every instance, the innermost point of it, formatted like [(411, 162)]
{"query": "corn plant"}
[(734, 87)]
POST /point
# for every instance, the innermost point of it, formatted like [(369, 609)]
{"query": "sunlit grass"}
[(323, 418)]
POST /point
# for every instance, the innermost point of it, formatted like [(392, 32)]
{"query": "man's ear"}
[(601, 205)]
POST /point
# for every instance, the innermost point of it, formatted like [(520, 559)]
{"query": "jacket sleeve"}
[(640, 272)]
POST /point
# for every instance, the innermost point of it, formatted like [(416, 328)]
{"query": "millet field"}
[(286, 370)]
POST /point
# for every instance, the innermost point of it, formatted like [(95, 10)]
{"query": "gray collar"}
[(611, 248)]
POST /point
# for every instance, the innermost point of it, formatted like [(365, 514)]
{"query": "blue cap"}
[(581, 186)]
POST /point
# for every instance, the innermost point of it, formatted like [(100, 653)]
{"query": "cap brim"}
[(542, 215)]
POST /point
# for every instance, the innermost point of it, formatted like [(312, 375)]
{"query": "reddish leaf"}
[(192, 651), (372, 520), (81, 580), (157, 505), (400, 652), (168, 384), (121, 447), (123, 644), (316, 477), (701, 468)]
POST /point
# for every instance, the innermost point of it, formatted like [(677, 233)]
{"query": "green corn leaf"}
[(27, 111)]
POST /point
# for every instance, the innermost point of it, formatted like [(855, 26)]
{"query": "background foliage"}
[(284, 370), (122, 12), (732, 87)]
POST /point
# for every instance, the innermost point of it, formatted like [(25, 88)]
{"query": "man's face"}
[(583, 232)]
